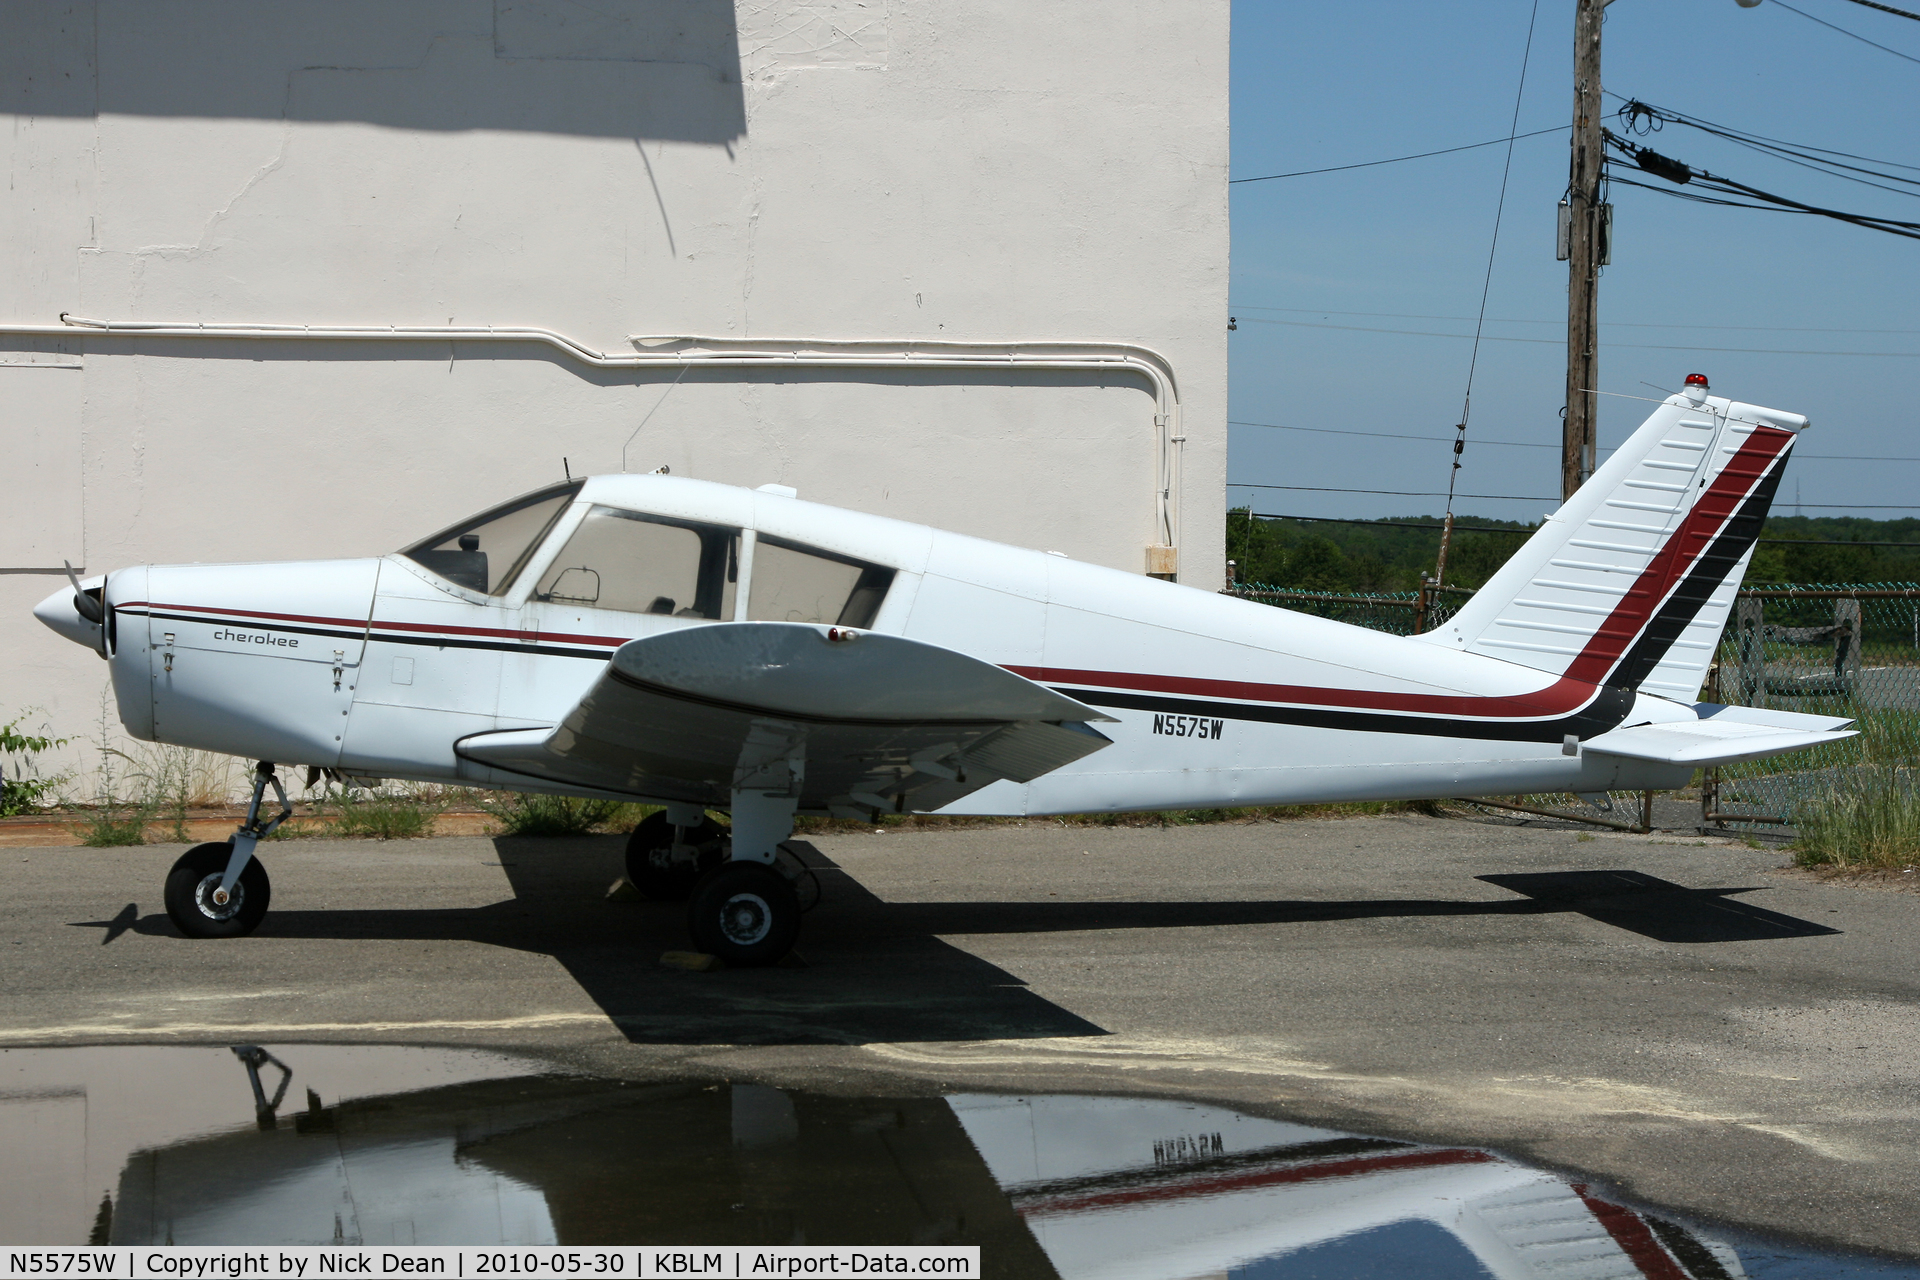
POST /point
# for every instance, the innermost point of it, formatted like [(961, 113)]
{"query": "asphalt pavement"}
[(1675, 1019)]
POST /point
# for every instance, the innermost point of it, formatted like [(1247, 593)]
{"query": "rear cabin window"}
[(794, 583), (639, 563), (486, 553)]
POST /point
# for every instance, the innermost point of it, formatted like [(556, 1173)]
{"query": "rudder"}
[(1631, 581)]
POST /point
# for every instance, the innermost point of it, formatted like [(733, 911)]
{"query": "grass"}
[(1871, 818), (110, 826), (1157, 819), (396, 813), (522, 814)]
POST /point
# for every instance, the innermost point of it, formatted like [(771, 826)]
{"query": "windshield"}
[(485, 553)]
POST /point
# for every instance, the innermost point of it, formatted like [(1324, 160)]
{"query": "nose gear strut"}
[(251, 832)]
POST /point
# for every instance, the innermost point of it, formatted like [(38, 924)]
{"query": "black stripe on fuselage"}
[(428, 641), (1712, 568), (248, 624), (504, 646), (1605, 712)]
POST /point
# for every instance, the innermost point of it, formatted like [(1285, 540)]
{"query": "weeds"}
[(113, 819), (179, 778), (1161, 818), (25, 790), (388, 813), (1869, 818), (520, 814)]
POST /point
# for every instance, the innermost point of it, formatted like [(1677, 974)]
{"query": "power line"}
[(1642, 118), (1396, 493), (1771, 203), (1391, 523), (1507, 497), (1887, 8), (1851, 35), (1486, 285), (1528, 444), (1384, 435), (1611, 324), (1368, 164), (1552, 342)]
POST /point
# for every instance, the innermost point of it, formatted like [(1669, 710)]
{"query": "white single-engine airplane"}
[(701, 646)]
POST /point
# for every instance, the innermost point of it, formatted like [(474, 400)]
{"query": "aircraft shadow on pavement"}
[(880, 972), (1656, 908)]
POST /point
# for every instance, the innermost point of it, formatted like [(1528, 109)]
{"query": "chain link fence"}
[(1832, 650), (1824, 649), (1402, 613)]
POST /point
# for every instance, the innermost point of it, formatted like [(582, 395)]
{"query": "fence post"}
[(1750, 632)]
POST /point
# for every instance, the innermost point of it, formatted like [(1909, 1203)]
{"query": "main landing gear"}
[(742, 902), (220, 890)]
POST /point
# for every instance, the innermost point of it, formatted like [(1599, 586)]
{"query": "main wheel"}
[(189, 894), (650, 861), (744, 912)]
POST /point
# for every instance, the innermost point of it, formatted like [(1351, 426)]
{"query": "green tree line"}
[(1390, 554)]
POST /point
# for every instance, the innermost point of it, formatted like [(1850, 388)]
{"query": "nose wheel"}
[(221, 890), (196, 904)]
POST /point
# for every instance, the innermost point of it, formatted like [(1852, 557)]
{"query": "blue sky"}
[(1324, 84)]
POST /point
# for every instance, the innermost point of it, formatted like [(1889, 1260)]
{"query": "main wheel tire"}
[(744, 912), (650, 862), (189, 894)]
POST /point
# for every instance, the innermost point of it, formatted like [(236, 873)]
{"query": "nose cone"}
[(59, 613)]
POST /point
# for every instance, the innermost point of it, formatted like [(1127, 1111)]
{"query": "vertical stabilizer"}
[(1631, 581)]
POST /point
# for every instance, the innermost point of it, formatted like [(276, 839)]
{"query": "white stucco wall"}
[(976, 170)]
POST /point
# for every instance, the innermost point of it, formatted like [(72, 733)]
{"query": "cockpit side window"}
[(486, 553), (640, 563), (795, 583)]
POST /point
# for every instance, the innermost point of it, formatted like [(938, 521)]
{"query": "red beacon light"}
[(1696, 379), (1696, 388)]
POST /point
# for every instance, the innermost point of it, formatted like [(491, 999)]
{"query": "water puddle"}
[(325, 1144)]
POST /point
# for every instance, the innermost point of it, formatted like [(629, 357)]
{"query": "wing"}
[(876, 721)]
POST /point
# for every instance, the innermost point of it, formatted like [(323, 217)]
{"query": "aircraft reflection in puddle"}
[(408, 1146)]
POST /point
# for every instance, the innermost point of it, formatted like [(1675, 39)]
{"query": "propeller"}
[(85, 605)]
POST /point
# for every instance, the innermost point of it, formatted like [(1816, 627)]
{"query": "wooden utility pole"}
[(1583, 250)]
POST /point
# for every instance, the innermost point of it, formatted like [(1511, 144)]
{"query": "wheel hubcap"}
[(204, 898), (746, 919)]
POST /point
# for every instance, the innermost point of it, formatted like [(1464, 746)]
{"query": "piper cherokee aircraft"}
[(701, 646)]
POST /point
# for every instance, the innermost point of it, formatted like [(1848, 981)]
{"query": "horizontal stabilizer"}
[(1721, 735), (869, 721), (1768, 716)]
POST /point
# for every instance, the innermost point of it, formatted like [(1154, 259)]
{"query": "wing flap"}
[(881, 721)]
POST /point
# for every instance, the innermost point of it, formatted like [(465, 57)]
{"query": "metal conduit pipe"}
[(681, 350)]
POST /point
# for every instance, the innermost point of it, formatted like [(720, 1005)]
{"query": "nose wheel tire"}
[(650, 861), (746, 913), (191, 889)]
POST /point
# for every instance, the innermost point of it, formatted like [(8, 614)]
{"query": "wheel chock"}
[(623, 890), (792, 960), (691, 961)]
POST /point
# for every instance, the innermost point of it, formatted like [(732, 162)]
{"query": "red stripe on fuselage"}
[(1583, 675), (1228, 1183)]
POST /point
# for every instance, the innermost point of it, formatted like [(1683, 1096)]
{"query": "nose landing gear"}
[(220, 890)]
